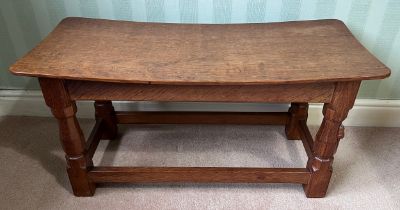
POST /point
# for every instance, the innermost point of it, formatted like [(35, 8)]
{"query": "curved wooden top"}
[(162, 53)]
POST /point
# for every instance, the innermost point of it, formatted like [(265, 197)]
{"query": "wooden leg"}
[(297, 112), (327, 138), (71, 136), (106, 112)]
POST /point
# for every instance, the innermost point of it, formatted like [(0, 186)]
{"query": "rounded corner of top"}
[(68, 19), (13, 70)]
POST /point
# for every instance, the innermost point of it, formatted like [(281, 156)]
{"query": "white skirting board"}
[(366, 112)]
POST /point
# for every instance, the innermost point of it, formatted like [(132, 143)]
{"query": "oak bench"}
[(293, 62)]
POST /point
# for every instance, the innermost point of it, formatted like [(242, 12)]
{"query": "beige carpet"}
[(366, 168)]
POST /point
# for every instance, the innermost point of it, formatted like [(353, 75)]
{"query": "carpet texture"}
[(32, 167)]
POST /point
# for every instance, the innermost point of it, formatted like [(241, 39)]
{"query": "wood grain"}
[(292, 62), (236, 54), (247, 118), (313, 92), (94, 138), (71, 135), (198, 174), (104, 111), (327, 138), (297, 112), (306, 138)]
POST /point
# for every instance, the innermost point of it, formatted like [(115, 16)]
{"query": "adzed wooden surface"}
[(240, 118), (327, 138), (83, 175), (77, 154), (284, 93), (198, 174), (295, 62), (161, 53)]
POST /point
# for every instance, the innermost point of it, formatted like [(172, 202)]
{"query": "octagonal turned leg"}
[(297, 112), (327, 138), (71, 136), (104, 110)]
